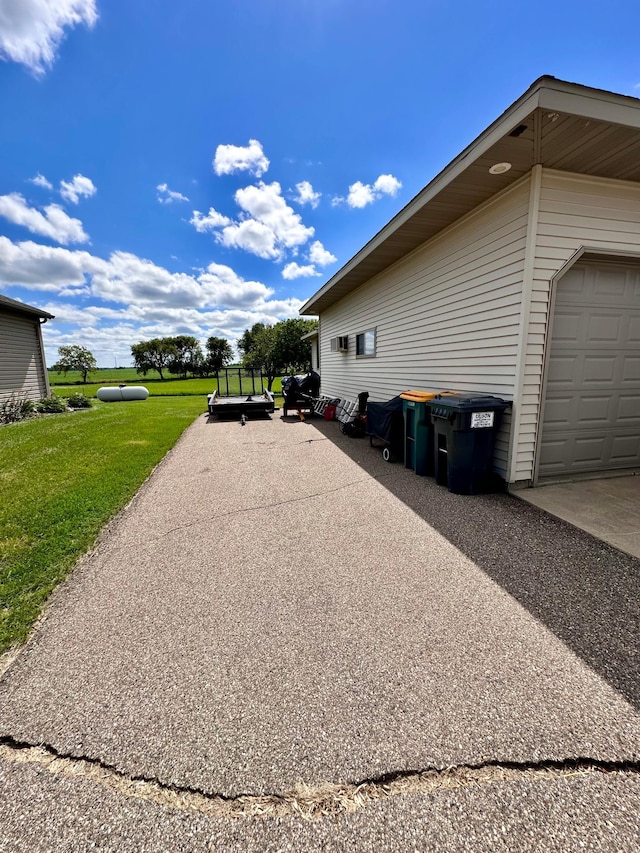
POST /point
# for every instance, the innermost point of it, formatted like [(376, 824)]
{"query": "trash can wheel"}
[(386, 455)]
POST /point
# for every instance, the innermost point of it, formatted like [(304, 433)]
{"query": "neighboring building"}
[(516, 272), (23, 369)]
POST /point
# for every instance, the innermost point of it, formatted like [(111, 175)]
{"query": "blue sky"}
[(199, 166)]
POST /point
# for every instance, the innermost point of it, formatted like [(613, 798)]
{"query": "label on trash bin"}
[(481, 420)]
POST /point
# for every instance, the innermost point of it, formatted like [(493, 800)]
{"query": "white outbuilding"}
[(23, 369)]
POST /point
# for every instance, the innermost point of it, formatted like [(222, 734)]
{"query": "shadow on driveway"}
[(582, 589)]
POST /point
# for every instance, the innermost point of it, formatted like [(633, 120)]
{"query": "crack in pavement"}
[(309, 802), (257, 507)]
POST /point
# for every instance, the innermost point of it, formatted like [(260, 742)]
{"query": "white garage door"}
[(592, 407)]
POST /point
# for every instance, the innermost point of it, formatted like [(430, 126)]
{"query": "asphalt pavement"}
[(279, 610)]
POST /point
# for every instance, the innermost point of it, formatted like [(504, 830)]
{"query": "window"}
[(366, 344)]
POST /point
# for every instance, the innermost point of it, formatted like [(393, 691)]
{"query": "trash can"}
[(464, 430), (418, 430)]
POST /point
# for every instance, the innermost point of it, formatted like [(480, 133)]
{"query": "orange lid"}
[(418, 396)]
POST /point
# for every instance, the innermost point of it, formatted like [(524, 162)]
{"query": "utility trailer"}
[(239, 393)]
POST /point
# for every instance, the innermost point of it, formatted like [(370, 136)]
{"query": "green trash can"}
[(418, 430), (464, 430)]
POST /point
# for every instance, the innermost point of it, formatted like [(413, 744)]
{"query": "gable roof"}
[(20, 308), (557, 124)]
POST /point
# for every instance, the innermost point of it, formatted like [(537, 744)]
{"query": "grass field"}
[(61, 478), (72, 383)]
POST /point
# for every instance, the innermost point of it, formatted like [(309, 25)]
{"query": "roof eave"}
[(546, 93)]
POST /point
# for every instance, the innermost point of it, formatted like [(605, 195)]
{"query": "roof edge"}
[(22, 308), (547, 92)]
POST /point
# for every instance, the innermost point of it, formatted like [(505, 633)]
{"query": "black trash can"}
[(465, 427)]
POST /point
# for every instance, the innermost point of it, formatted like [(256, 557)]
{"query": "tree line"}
[(275, 350)]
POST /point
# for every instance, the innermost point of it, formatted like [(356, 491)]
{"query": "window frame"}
[(362, 337)]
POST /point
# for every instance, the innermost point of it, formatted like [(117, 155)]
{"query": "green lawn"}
[(61, 478), (71, 384)]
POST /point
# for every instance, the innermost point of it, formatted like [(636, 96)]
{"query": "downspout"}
[(41, 323), (525, 313)]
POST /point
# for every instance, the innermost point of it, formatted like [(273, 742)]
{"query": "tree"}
[(245, 341), (187, 355), (219, 353), (262, 355), (155, 354), (277, 349), (293, 354), (75, 358)]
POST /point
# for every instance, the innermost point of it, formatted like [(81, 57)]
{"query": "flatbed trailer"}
[(236, 405)]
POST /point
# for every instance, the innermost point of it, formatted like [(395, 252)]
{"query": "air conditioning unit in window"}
[(340, 344)]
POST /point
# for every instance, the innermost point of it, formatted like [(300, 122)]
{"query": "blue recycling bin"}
[(464, 429)]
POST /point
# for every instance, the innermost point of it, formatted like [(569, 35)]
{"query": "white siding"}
[(21, 362), (446, 316), (575, 213)]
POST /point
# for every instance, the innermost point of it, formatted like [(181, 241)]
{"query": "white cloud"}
[(265, 204), (230, 159), (79, 186), (124, 299), (252, 236), (44, 267), (294, 270), (127, 279), (54, 222), (360, 195), (210, 222), (319, 255), (223, 286), (31, 30), (267, 226), (41, 181), (387, 185), (167, 196), (307, 195)]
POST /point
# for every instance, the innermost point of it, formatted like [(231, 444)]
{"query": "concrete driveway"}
[(282, 624)]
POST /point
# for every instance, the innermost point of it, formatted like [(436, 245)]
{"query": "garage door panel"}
[(628, 409), (608, 283), (634, 329), (589, 450), (562, 370), (567, 326), (599, 368), (594, 411), (631, 369), (592, 404), (603, 328), (625, 449)]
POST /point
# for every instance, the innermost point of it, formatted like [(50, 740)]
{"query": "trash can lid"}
[(419, 396), (471, 402), (424, 396)]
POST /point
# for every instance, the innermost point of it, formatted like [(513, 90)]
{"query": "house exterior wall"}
[(22, 368), (576, 214), (471, 309), (447, 316)]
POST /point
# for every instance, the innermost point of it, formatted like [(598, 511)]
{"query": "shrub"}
[(16, 408), (78, 401), (48, 405)]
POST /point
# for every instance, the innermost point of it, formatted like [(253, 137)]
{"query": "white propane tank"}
[(124, 392)]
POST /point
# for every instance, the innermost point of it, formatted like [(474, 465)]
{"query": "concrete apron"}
[(607, 508), (278, 606)]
